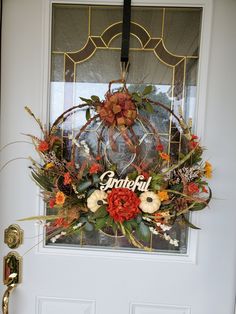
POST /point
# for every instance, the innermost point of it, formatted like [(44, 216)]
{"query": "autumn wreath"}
[(84, 188)]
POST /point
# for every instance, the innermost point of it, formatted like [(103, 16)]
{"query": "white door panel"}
[(62, 280)]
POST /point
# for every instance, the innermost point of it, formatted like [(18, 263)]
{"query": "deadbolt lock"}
[(13, 236)]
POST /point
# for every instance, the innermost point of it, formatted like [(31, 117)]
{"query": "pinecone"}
[(188, 173), (66, 189), (180, 204)]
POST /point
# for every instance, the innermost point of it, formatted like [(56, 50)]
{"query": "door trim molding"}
[(205, 43)]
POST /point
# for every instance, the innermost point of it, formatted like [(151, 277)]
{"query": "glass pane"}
[(85, 57)]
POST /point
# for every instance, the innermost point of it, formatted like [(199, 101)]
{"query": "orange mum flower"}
[(95, 168), (193, 188), (60, 198), (163, 195), (43, 146), (164, 156), (67, 178)]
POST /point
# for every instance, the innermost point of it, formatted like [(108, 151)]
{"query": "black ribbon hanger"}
[(124, 59)]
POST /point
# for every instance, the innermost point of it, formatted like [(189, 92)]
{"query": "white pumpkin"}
[(150, 202), (96, 200)]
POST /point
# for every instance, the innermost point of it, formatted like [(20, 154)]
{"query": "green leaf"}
[(133, 223), (96, 179), (177, 187), (95, 98), (47, 217), (86, 100), (114, 226), (100, 213), (127, 226), (113, 168), (198, 206), (90, 192), (137, 98), (143, 232), (147, 90), (139, 218), (42, 180), (101, 222), (132, 175), (148, 107), (88, 227), (88, 115), (83, 186), (155, 186), (110, 221), (188, 223)]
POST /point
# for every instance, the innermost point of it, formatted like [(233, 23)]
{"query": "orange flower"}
[(95, 168), (70, 164), (193, 188), (98, 158), (204, 189), (208, 170), (164, 156), (67, 178), (43, 146), (61, 223), (163, 195), (60, 198)]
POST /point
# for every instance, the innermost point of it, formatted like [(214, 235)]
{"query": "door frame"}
[(201, 97)]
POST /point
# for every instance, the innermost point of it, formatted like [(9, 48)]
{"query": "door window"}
[(85, 57)]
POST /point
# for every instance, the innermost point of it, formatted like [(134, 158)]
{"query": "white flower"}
[(53, 240), (147, 219), (163, 226), (167, 237), (150, 202), (154, 231), (176, 242), (96, 199)]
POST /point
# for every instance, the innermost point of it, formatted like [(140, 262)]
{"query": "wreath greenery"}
[(84, 191)]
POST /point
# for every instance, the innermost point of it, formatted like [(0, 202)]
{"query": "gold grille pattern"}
[(147, 43)]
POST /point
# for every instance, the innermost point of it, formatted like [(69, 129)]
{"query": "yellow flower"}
[(208, 170), (163, 195), (60, 198), (49, 165)]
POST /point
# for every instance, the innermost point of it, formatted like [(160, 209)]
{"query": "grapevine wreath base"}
[(86, 186)]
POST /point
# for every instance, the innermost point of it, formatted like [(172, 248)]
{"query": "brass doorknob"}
[(6, 297), (12, 277)]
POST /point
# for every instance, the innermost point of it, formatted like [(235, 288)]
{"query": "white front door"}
[(72, 280)]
